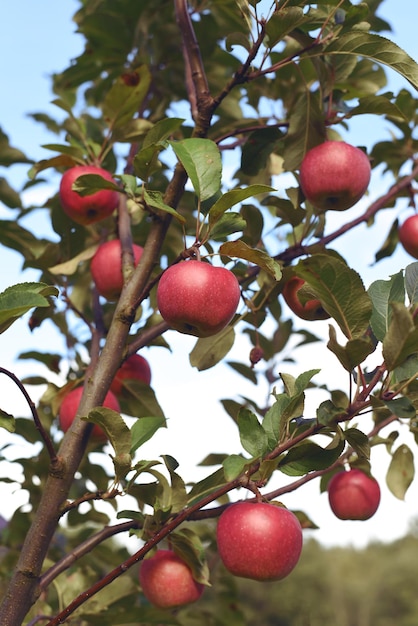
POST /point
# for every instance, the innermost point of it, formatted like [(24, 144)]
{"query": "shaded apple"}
[(334, 175), (167, 581), (408, 235), (310, 310), (261, 541), (93, 207), (353, 495), (136, 367), (69, 407), (106, 268), (196, 298)]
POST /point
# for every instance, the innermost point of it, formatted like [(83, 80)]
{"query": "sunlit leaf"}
[(202, 161)]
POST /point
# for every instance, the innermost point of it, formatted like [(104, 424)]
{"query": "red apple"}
[(167, 581), (310, 310), (197, 298), (106, 268), (87, 209), (353, 495), (408, 235), (134, 368), (334, 175), (261, 541), (69, 407)]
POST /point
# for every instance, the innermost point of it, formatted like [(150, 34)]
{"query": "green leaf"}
[(378, 105), (144, 429), (252, 435), (282, 22), (188, 546), (340, 290), (17, 300), (401, 471), (382, 293), (8, 195), (402, 407), (358, 441), (306, 129), (309, 456), (125, 96), (234, 465), (208, 351), (7, 422), (241, 250), (118, 434), (353, 353), (206, 486), (71, 266), (411, 283), (8, 154), (378, 49), (155, 199), (401, 340), (146, 160), (139, 399), (202, 161), (258, 148), (233, 197), (228, 224), (88, 184)]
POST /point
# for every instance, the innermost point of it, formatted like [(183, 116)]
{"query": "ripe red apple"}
[(334, 175), (106, 268), (408, 235), (69, 407), (136, 367), (310, 310), (167, 581), (353, 495), (87, 209), (197, 298), (261, 541)]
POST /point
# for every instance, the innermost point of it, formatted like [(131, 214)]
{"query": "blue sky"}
[(39, 38)]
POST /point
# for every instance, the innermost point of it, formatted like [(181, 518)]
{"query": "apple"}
[(69, 408), (167, 581), (310, 310), (136, 367), (261, 541), (408, 235), (334, 175), (353, 495), (106, 268), (196, 298), (87, 209)]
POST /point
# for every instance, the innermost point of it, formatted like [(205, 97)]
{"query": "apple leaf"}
[(17, 300), (202, 161), (283, 21), (253, 437), (382, 293), (401, 340), (353, 353), (401, 471), (378, 105), (208, 351), (233, 197), (125, 96), (340, 290), (188, 546), (241, 250), (234, 465), (178, 487), (70, 267), (144, 429), (378, 49), (9, 196), (155, 199), (146, 160), (309, 456), (86, 184), (358, 441), (63, 160), (7, 421), (8, 154), (139, 399), (411, 283), (206, 486), (118, 434)]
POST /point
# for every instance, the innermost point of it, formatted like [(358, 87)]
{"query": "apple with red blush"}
[(259, 540), (310, 309), (167, 581), (106, 268), (334, 175), (353, 495), (408, 235), (92, 207), (197, 298), (136, 367), (69, 407)]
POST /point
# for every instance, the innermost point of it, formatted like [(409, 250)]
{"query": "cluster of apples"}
[(260, 541)]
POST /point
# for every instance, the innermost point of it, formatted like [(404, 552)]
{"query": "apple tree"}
[(152, 234)]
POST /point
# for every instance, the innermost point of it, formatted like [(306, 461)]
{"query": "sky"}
[(39, 38)]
